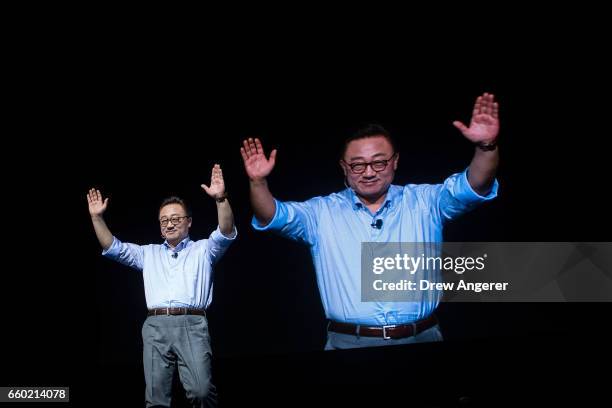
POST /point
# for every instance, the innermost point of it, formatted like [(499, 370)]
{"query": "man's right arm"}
[(262, 201), (105, 237), (131, 255), (97, 206), (258, 168), (290, 219)]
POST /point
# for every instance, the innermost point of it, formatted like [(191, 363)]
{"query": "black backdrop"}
[(141, 127)]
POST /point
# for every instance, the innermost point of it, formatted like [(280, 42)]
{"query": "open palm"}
[(217, 185), (97, 205), (484, 125), (255, 162)]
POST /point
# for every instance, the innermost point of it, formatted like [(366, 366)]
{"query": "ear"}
[(395, 161), (189, 225), (343, 167)]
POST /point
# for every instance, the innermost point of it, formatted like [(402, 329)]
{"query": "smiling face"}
[(371, 185), (169, 215)]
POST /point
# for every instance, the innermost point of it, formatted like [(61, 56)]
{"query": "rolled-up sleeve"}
[(125, 253), (218, 243), (456, 196), (293, 220)]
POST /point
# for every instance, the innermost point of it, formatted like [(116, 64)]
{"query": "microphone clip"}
[(377, 223)]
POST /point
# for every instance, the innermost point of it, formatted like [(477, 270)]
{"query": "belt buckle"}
[(384, 329)]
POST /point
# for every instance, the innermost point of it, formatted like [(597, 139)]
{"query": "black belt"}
[(175, 311), (392, 331)]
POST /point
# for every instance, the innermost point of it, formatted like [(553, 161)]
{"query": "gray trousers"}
[(338, 341), (183, 342)]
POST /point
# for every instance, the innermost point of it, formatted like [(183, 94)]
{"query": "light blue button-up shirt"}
[(335, 226), (179, 277)]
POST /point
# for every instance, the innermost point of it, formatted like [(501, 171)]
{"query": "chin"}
[(372, 192), (369, 194), (373, 189)]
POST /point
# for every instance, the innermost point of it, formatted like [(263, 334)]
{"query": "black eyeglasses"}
[(174, 220), (377, 165)]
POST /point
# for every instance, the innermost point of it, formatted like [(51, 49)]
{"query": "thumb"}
[(273, 157), (206, 188), (460, 126)]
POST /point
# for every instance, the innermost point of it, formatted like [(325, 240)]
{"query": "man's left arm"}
[(483, 132), (224, 210), (226, 217)]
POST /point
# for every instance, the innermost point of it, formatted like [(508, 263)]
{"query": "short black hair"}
[(369, 130), (176, 200)]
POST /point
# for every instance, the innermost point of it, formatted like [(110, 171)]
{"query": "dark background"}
[(142, 120)]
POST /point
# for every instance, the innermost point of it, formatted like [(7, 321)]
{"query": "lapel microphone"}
[(377, 224)]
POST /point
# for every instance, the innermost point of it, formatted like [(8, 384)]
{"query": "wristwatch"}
[(221, 199), (487, 147)]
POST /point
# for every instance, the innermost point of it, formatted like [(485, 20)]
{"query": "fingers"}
[(486, 105), (252, 146), (95, 202), (216, 173), (477, 106), (243, 154), (93, 196), (216, 181), (258, 146), (495, 110), (246, 148)]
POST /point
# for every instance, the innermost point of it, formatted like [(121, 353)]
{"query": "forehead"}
[(171, 209), (368, 147)]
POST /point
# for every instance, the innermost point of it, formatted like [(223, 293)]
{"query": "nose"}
[(369, 171)]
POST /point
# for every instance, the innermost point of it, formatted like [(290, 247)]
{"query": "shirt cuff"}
[(277, 222), (217, 235), (114, 249), (465, 193)]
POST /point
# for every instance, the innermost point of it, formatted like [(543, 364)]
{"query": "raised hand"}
[(255, 162), (97, 206), (484, 125), (217, 185)]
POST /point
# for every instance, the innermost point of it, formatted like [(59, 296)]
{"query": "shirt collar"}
[(181, 245), (393, 193)]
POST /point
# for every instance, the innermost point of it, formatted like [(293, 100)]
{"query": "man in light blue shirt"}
[(371, 209), (178, 285)]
